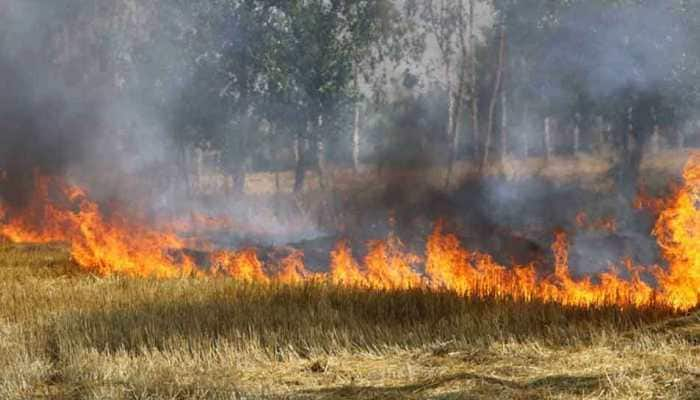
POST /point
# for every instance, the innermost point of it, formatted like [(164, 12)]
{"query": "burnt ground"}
[(512, 220)]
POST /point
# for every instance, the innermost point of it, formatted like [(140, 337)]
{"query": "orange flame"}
[(389, 266), (243, 264), (115, 246), (604, 224), (678, 233), (293, 270), (344, 269), (118, 244), (198, 222), (452, 267)]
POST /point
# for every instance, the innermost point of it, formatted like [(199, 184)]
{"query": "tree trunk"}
[(458, 99), (356, 127), (356, 140), (182, 166), (278, 196), (607, 135), (494, 100), (300, 168), (321, 162), (450, 102), (474, 82), (451, 107), (456, 112), (238, 184), (504, 123), (577, 133), (320, 153), (656, 139), (629, 137), (681, 138), (627, 170), (548, 148), (243, 160), (457, 142), (476, 134), (505, 112), (525, 131), (454, 131)]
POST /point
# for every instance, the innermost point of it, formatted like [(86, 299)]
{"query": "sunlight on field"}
[(560, 169), (585, 169), (66, 335)]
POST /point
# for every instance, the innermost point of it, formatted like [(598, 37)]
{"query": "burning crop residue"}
[(604, 224), (106, 245), (678, 234), (115, 243), (453, 267)]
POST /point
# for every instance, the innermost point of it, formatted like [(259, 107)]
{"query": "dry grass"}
[(586, 169), (66, 335)]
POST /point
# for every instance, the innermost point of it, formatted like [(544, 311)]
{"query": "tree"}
[(450, 23), (375, 31), (493, 102), (223, 49), (322, 47)]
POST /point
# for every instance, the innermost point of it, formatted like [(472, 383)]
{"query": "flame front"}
[(678, 233), (344, 268), (453, 267), (117, 244)]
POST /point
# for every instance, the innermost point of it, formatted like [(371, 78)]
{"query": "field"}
[(585, 169), (68, 335)]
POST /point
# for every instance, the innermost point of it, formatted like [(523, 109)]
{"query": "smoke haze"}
[(113, 99)]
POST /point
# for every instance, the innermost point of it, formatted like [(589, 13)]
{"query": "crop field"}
[(65, 334), (326, 199)]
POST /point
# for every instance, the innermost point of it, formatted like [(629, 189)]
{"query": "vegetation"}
[(123, 96), (273, 85), (67, 335)]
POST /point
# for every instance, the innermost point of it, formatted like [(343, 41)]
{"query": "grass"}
[(586, 169), (68, 335)]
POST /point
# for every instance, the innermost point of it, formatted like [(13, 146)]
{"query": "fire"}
[(453, 267), (244, 265), (292, 269), (344, 269), (389, 266), (198, 222), (604, 224), (386, 266), (678, 233), (611, 289), (117, 243), (448, 263)]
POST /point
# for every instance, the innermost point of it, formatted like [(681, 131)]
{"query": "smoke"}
[(625, 65), (80, 97), (75, 101), (636, 46), (105, 95), (45, 115), (591, 53)]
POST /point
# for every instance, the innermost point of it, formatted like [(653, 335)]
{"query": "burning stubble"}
[(194, 193), (118, 244)]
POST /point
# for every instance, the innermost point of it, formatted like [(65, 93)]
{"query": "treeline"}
[(294, 84)]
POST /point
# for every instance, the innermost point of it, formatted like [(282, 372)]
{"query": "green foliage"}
[(288, 63), (603, 57)]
